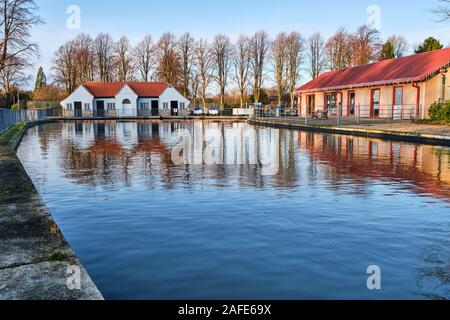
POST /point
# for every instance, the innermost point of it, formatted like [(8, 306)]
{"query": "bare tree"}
[(294, 54), (338, 50), (400, 45), (260, 46), (203, 61), (186, 53), (124, 59), (365, 44), (222, 52), (280, 64), (242, 60), (65, 67), (194, 85), (104, 52), (17, 17), (12, 77), (144, 57), (84, 57), (316, 55), (168, 60), (443, 11)]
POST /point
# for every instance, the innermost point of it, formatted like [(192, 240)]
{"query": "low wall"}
[(363, 132), (34, 256)]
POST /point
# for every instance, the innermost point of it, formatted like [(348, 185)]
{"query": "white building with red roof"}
[(125, 99)]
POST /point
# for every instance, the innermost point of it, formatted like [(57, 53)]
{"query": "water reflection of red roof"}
[(151, 145), (106, 146), (382, 168)]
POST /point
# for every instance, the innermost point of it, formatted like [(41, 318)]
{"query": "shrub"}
[(17, 106), (440, 111)]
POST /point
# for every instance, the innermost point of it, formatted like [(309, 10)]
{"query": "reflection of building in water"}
[(426, 168), (106, 152)]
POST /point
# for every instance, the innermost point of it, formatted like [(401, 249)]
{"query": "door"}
[(174, 108), (311, 104), (100, 108), (351, 103), (155, 108), (331, 103), (78, 109), (375, 105)]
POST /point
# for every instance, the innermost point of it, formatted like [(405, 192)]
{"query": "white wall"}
[(126, 93), (106, 101), (79, 95), (171, 94)]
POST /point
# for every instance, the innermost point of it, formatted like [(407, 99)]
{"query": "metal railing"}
[(8, 117), (360, 114)]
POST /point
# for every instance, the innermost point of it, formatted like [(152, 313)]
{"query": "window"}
[(126, 101), (69, 106), (165, 105), (182, 105), (111, 106), (87, 107), (145, 105), (398, 96)]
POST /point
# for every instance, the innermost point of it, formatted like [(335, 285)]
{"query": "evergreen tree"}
[(41, 79), (430, 44), (388, 51)]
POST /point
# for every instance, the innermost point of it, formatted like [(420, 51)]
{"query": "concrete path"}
[(34, 256)]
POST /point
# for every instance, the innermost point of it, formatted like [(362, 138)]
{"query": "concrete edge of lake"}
[(414, 137), (36, 262)]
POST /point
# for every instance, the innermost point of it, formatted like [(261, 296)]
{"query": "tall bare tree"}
[(65, 67), (104, 52), (85, 58), (124, 59), (260, 45), (204, 64), (222, 53), (316, 55), (400, 45), (365, 45), (144, 58), (186, 46), (442, 12), (12, 77), (338, 50), (242, 61), (194, 85), (168, 60), (294, 55), (280, 65), (17, 18)]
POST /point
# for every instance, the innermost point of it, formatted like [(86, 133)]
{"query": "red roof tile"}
[(414, 68), (111, 89)]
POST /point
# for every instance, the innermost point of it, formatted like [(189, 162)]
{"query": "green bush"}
[(440, 111), (17, 106)]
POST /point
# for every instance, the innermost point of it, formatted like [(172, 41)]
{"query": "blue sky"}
[(135, 18)]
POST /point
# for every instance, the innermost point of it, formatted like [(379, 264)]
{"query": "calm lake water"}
[(276, 214)]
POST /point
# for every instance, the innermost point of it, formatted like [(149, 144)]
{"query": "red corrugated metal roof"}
[(111, 89), (414, 68)]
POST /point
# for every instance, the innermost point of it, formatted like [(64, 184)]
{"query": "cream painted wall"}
[(430, 92)]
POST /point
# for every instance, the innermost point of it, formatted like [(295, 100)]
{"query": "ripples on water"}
[(148, 229)]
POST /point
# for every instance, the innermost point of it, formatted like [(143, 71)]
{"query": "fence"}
[(10, 117), (361, 114)]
